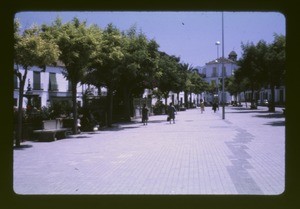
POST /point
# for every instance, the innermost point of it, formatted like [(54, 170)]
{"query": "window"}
[(36, 80), (214, 73), (52, 82), (225, 74)]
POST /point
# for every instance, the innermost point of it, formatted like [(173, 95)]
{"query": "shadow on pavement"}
[(157, 121), (248, 111), (276, 123), (77, 137), (119, 127), (271, 115), (21, 147)]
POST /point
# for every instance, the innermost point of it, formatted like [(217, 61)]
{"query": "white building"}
[(213, 75), (47, 87)]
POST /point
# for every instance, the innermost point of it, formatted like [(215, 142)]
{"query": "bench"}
[(52, 130)]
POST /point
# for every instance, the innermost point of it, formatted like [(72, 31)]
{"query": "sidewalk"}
[(199, 154)]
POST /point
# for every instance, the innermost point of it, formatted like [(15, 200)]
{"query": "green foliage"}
[(263, 64), (31, 49), (169, 73), (59, 108), (159, 108)]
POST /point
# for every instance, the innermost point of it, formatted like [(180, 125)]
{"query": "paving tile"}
[(199, 154)]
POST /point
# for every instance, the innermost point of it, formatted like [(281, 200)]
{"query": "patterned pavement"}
[(199, 154)]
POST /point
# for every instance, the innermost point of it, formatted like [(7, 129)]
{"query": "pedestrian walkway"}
[(199, 154)]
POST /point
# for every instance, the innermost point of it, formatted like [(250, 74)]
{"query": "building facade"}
[(212, 72), (47, 87)]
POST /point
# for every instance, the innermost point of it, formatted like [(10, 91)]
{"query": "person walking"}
[(214, 107), (202, 107), (145, 114), (171, 112)]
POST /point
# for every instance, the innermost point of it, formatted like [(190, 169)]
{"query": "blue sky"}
[(189, 35)]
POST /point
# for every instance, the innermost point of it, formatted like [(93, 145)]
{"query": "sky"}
[(192, 36)]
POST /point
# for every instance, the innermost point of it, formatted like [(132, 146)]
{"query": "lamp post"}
[(29, 95), (223, 73), (217, 44), (217, 62)]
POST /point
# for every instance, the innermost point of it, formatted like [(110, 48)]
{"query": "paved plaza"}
[(199, 154)]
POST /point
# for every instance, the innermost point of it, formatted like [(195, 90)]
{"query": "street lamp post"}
[(217, 44), (217, 62), (223, 73)]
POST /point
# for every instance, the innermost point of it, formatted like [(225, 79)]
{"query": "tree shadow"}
[(120, 127), (246, 110), (271, 115), (276, 123), (157, 121), (22, 147), (79, 136)]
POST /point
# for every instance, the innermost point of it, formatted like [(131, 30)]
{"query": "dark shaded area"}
[(120, 127), (247, 111), (22, 147), (276, 123), (157, 121), (271, 115), (79, 136)]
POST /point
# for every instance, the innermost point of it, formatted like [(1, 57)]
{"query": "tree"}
[(138, 67), (240, 82), (232, 86), (251, 66), (188, 84), (107, 63), (168, 76), (31, 49), (263, 65), (275, 66), (77, 44)]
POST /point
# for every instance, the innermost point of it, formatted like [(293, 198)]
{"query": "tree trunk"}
[(109, 106), (99, 90), (186, 99), (74, 101), (272, 100), (253, 103), (20, 115), (245, 99), (22, 80), (126, 100), (166, 100)]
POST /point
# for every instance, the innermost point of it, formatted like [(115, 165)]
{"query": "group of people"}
[(171, 114), (215, 106), (172, 111)]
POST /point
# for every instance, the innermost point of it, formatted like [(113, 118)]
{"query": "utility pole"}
[(223, 73)]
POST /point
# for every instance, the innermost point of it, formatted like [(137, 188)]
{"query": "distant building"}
[(213, 75), (212, 72)]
